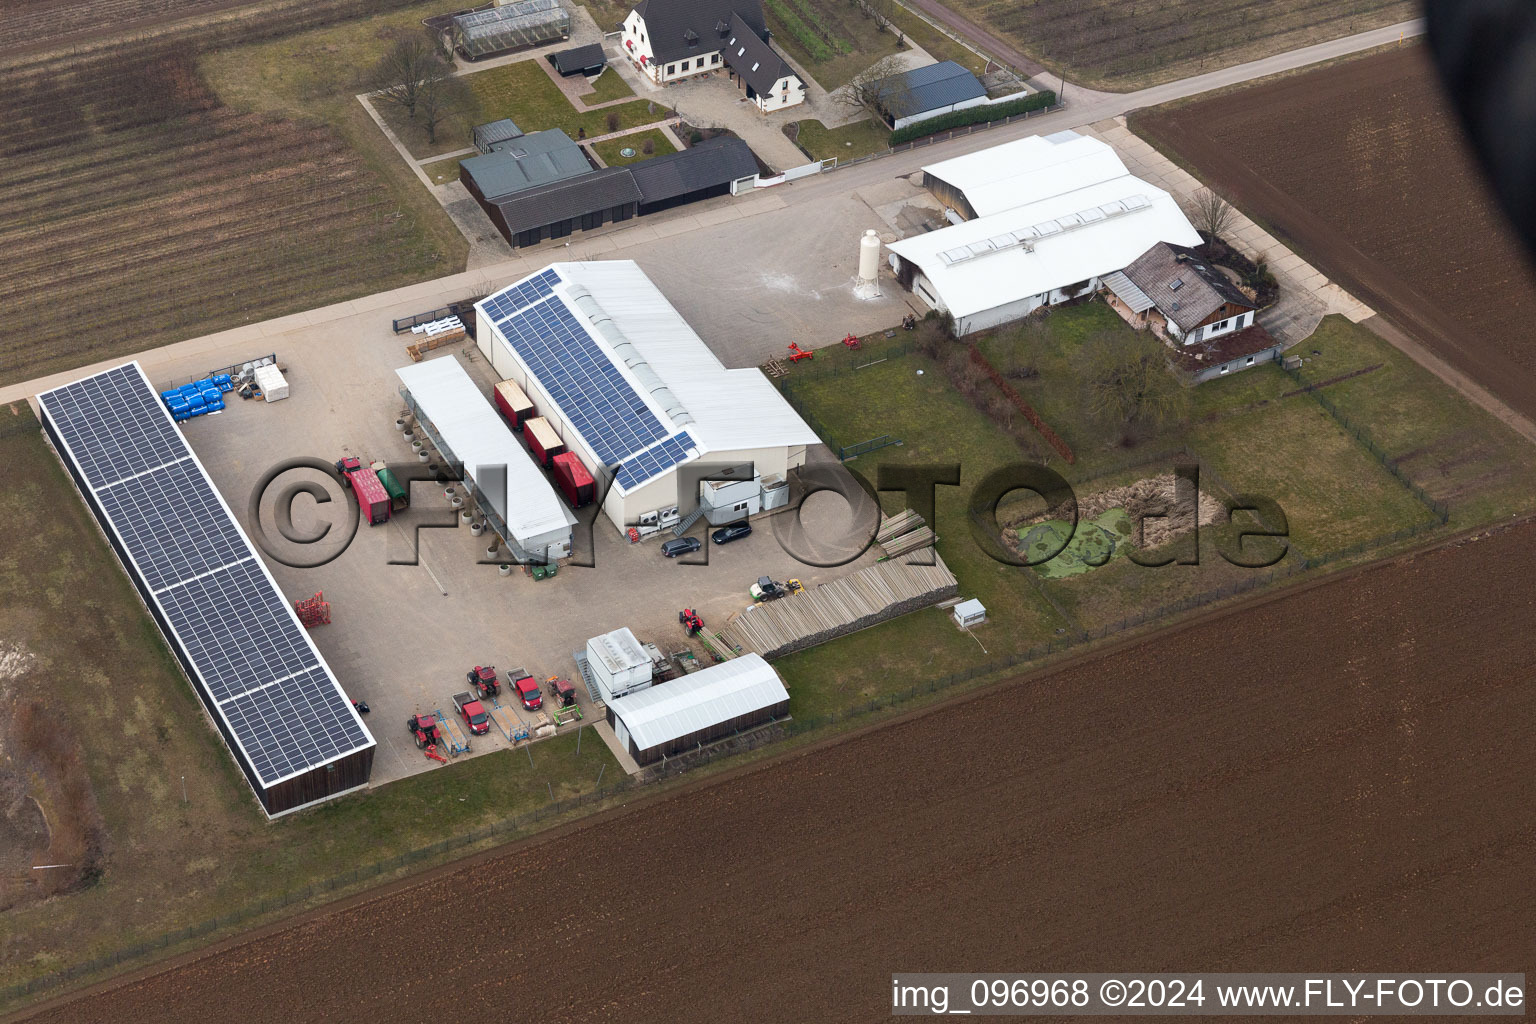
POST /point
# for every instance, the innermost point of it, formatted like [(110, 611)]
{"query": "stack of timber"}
[(882, 591), (902, 534), (438, 333)]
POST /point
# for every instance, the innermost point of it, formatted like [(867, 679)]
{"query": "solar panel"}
[(114, 426), (293, 724), (520, 296), (171, 523), (261, 672), (654, 461), (591, 392)]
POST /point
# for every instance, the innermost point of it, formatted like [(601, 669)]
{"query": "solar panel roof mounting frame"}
[(121, 549)]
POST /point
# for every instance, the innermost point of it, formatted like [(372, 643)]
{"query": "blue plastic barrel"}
[(221, 381)]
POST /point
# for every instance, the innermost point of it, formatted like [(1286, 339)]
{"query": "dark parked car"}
[(680, 546), (730, 532)]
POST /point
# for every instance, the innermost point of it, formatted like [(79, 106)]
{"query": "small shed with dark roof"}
[(487, 135), (523, 162), (559, 209), (704, 171), (580, 60), (927, 91)]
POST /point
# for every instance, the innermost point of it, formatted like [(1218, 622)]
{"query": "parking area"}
[(403, 635)]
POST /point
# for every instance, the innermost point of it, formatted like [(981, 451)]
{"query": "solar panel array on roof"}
[(655, 461), (259, 668), (504, 304), (584, 382)]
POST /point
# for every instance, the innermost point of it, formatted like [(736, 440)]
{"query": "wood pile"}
[(882, 591), (902, 534)]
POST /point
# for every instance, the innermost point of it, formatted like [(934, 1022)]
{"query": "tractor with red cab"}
[(483, 679)]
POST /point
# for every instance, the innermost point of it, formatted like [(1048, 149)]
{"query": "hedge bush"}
[(973, 115)]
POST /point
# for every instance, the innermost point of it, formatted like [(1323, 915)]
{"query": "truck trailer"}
[(542, 440), (573, 480), (372, 499), (515, 406)]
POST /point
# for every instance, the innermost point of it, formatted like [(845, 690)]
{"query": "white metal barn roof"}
[(477, 437), (1028, 170), (705, 698), (1048, 244), (664, 388)]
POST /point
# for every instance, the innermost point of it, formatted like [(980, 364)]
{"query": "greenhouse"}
[(513, 27)]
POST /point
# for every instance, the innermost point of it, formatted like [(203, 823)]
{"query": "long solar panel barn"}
[(292, 730), (636, 394)]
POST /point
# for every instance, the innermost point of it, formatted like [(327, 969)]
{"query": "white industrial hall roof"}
[(658, 388), (477, 437), (713, 695), (1029, 170), (1084, 230)]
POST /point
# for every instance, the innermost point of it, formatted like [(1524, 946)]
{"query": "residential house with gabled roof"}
[(670, 40), (1203, 315)]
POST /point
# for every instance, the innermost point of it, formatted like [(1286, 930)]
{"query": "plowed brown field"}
[(1338, 779), (1364, 171)]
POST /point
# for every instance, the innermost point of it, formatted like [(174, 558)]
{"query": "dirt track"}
[(1363, 170), (1335, 780)]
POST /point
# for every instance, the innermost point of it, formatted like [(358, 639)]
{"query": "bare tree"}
[(1213, 215), (402, 73), (879, 86), (1127, 377), (439, 99)]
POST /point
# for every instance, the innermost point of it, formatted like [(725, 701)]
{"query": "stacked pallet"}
[(438, 333), (882, 591), (902, 534)]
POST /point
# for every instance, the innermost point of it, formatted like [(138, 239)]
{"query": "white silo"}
[(868, 286)]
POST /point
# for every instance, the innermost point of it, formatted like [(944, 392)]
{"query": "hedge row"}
[(973, 115)]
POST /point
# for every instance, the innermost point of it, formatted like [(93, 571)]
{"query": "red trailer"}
[(542, 440), (370, 493), (573, 480), (515, 406)]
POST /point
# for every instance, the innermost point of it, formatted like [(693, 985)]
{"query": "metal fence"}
[(232, 370)]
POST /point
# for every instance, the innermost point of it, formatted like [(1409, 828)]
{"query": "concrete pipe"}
[(493, 547), (467, 516), (476, 529), (423, 457), (455, 502), (400, 426), (505, 570)]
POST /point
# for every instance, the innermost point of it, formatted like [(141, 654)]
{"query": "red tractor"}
[(483, 679), (693, 623), (425, 731)]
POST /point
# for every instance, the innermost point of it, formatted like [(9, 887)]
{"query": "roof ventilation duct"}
[(625, 350)]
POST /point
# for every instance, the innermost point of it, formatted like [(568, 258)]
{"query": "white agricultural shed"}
[(1077, 215), (618, 663), (636, 394), (511, 490), (676, 716)]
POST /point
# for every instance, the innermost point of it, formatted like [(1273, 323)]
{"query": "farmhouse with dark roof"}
[(670, 40)]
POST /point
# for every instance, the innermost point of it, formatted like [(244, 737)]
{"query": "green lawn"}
[(171, 863), (941, 46), (608, 86), (609, 150), (443, 171), (937, 425), (525, 93), (848, 142), (1457, 451)]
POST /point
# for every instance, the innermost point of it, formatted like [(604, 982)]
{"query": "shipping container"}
[(399, 497), (372, 499), (573, 480), (542, 440), (513, 404)]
